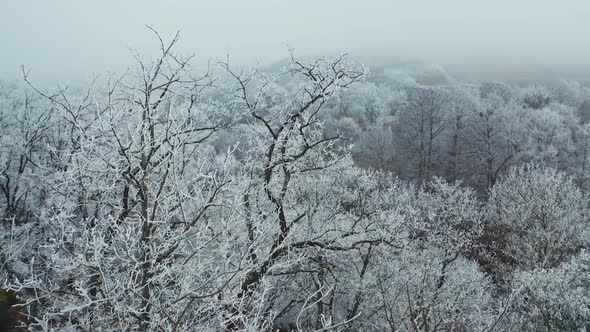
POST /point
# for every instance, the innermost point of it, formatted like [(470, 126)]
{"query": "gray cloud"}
[(68, 39)]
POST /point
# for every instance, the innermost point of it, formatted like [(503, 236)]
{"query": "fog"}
[(447, 188), (69, 39)]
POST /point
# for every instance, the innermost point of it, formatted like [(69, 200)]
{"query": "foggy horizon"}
[(71, 41), (344, 166)]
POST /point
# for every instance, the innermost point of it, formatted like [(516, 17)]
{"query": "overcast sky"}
[(66, 39)]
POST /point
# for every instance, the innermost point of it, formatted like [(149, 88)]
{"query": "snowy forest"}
[(316, 194)]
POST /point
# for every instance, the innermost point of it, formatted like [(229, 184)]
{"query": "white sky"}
[(66, 39)]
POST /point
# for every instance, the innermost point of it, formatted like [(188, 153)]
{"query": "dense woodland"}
[(317, 195)]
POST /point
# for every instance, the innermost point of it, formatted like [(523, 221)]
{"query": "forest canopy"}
[(323, 195)]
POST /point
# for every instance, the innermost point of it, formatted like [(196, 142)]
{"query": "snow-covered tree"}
[(421, 122), (541, 214), (556, 299), (535, 97)]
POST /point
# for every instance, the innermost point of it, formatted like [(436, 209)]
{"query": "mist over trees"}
[(320, 196)]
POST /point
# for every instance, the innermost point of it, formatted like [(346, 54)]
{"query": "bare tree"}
[(421, 123), (130, 147), (290, 150)]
